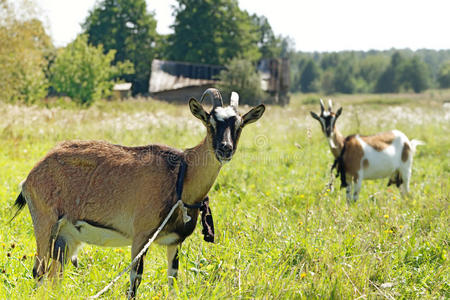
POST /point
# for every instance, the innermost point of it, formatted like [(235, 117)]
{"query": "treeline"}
[(390, 71), (119, 41)]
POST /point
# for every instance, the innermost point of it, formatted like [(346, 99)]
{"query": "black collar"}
[(207, 220), (179, 186), (196, 205)]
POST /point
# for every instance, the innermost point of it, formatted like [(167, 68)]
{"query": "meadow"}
[(280, 233)]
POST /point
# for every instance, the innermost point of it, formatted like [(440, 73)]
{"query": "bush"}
[(241, 76), (83, 72)]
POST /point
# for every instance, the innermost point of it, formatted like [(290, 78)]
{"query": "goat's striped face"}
[(327, 119), (224, 125)]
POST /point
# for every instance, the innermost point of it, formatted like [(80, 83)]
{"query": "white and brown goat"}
[(110, 195), (388, 154)]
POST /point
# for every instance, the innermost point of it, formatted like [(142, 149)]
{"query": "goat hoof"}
[(74, 261), (131, 294)]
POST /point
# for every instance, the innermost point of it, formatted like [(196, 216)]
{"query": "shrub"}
[(241, 76), (83, 72)]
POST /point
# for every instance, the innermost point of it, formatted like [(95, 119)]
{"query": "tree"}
[(269, 45), (83, 72), (390, 80), (242, 77), (309, 77), (343, 79), (327, 82), (24, 47), (370, 69), (212, 32), (128, 28), (330, 60), (444, 75), (415, 75)]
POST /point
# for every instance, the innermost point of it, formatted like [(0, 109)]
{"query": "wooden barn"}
[(178, 81)]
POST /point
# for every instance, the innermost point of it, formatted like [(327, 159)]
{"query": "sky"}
[(313, 25)]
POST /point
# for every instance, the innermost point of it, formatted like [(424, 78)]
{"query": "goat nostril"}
[(226, 149), (226, 146)]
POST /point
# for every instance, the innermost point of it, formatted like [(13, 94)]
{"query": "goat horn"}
[(322, 106), (330, 105), (234, 99), (214, 95)]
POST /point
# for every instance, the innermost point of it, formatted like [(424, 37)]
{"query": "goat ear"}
[(314, 115), (338, 113), (198, 111), (253, 115)]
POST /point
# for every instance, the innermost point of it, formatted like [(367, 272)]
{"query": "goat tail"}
[(19, 205), (415, 143)]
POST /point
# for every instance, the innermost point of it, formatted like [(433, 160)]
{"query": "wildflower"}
[(326, 194), (300, 223), (303, 275), (302, 196), (353, 235), (386, 216), (401, 226)]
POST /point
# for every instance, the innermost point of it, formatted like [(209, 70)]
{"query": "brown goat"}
[(110, 195), (387, 154)]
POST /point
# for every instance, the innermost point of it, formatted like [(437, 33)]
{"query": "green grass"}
[(280, 233)]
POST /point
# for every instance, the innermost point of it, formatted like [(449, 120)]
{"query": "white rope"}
[(150, 241)]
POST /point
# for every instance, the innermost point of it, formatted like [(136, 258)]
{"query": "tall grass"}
[(281, 233)]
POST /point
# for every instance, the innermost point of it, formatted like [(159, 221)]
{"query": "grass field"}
[(280, 233)]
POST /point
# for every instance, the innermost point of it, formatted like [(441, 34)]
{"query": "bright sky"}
[(314, 25)]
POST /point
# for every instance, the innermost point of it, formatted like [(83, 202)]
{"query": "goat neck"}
[(336, 142), (202, 170)]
